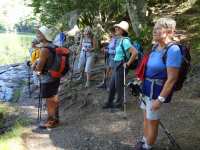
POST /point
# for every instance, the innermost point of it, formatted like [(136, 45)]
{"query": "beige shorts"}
[(86, 61)]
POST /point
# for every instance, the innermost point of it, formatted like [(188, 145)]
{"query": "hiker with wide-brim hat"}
[(117, 79), (86, 59), (49, 85), (159, 80)]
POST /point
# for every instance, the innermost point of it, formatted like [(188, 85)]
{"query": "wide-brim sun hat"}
[(123, 25), (46, 32)]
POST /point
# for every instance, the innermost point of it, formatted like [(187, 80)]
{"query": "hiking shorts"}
[(50, 89), (86, 61), (154, 115)]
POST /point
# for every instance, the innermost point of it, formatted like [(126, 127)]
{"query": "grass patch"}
[(16, 95), (11, 139)]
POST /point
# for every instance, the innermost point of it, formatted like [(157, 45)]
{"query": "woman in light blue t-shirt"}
[(160, 78), (117, 79)]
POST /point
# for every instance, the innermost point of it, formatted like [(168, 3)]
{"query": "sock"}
[(147, 146), (144, 139)]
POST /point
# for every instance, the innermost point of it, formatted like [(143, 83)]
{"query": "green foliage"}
[(145, 37), (103, 11), (26, 25), (51, 10)]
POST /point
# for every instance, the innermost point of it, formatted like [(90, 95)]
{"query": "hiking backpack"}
[(35, 54), (183, 71), (139, 49), (60, 64), (185, 65)]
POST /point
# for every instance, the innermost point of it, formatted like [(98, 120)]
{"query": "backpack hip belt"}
[(159, 82)]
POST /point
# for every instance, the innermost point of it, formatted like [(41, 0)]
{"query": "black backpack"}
[(185, 66), (140, 53)]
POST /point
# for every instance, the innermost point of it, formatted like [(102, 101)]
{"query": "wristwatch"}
[(161, 99)]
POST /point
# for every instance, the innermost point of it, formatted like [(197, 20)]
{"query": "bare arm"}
[(133, 52), (93, 44), (172, 76)]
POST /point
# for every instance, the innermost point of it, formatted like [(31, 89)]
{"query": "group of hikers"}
[(160, 72)]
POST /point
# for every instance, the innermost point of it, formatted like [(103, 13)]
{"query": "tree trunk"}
[(136, 10)]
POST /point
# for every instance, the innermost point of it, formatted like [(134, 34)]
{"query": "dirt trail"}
[(85, 126)]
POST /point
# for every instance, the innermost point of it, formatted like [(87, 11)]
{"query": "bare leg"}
[(88, 76), (152, 131), (145, 125), (52, 105)]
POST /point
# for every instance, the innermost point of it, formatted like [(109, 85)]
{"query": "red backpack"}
[(60, 64), (184, 69)]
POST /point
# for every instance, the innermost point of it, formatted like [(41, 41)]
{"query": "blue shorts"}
[(150, 114)]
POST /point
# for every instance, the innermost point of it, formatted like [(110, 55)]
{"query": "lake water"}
[(14, 47)]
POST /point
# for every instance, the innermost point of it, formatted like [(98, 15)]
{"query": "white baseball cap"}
[(46, 32), (123, 25)]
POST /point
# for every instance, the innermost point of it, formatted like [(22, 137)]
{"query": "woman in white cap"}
[(117, 80), (49, 85), (86, 60)]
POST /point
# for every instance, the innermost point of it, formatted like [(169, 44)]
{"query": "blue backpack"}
[(140, 53)]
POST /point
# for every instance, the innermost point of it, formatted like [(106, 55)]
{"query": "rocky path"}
[(85, 126)]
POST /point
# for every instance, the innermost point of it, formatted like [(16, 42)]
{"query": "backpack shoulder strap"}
[(123, 49), (115, 42), (166, 50)]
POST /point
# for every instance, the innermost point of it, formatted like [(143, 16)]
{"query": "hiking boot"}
[(101, 85), (118, 105), (80, 78), (142, 148), (87, 84), (107, 105), (108, 89), (138, 145), (51, 123)]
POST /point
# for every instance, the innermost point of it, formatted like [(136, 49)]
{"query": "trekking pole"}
[(170, 137), (29, 79), (73, 62), (125, 102), (85, 63), (105, 70), (165, 130), (39, 102)]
